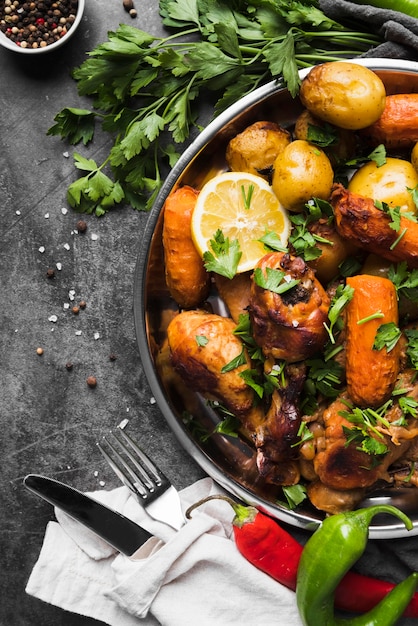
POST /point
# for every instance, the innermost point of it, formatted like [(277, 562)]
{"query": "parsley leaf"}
[(387, 336), (146, 91), (294, 494), (364, 432), (225, 255), (342, 297), (274, 280)]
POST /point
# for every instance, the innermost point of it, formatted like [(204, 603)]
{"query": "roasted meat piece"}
[(277, 434), (342, 465), (201, 345), (361, 222), (290, 325)]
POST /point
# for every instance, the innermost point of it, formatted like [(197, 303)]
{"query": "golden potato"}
[(255, 149), (345, 94), (414, 156), (301, 172), (334, 250), (388, 183), (343, 147)]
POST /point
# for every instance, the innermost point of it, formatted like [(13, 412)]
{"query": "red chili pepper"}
[(270, 548)]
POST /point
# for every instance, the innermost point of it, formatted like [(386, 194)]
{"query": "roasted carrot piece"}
[(371, 373), (186, 277), (398, 125)]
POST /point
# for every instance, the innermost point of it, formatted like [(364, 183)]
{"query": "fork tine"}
[(144, 480), (157, 474), (121, 469)]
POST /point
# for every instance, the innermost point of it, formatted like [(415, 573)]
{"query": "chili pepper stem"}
[(243, 514)]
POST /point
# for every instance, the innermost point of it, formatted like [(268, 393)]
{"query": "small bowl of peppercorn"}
[(38, 26)]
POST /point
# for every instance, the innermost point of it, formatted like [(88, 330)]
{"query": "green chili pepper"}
[(328, 555), (409, 7)]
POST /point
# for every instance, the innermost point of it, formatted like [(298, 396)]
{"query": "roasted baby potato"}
[(301, 172), (345, 94), (339, 144), (334, 250), (387, 183), (414, 156), (255, 149)]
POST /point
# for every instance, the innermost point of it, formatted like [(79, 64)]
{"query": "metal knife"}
[(116, 529)]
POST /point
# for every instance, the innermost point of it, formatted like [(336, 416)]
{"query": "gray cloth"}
[(399, 31)]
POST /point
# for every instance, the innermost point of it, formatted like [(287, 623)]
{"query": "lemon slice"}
[(244, 207)]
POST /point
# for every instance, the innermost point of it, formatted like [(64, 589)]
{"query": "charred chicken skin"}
[(360, 221), (289, 326), (276, 438)]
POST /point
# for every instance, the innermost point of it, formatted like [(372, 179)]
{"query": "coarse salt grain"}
[(96, 335), (64, 211), (58, 266), (102, 483), (67, 246), (66, 305), (52, 318), (123, 424), (46, 216), (18, 212), (94, 237), (78, 333), (152, 400), (65, 154), (41, 249)]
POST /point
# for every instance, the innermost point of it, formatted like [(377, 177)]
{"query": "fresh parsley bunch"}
[(146, 91)]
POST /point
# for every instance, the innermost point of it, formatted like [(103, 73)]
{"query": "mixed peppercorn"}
[(36, 23)]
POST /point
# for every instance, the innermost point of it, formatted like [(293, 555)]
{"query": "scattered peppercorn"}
[(82, 304), (81, 226), (50, 273), (76, 310), (39, 351), (128, 5), (112, 357), (69, 366), (92, 381), (36, 23), (133, 13)]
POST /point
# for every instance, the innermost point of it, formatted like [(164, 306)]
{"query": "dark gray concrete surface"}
[(50, 418)]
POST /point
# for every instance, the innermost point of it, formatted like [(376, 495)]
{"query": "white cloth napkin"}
[(193, 576)]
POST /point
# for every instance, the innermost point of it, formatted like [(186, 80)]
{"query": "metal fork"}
[(149, 485)]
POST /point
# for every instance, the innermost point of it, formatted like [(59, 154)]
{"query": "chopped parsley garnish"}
[(405, 280), (342, 297), (201, 341), (412, 348), (303, 241), (274, 280), (323, 136), (273, 242), (247, 196), (364, 432), (373, 316), (225, 255), (294, 494), (239, 360), (387, 336)]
